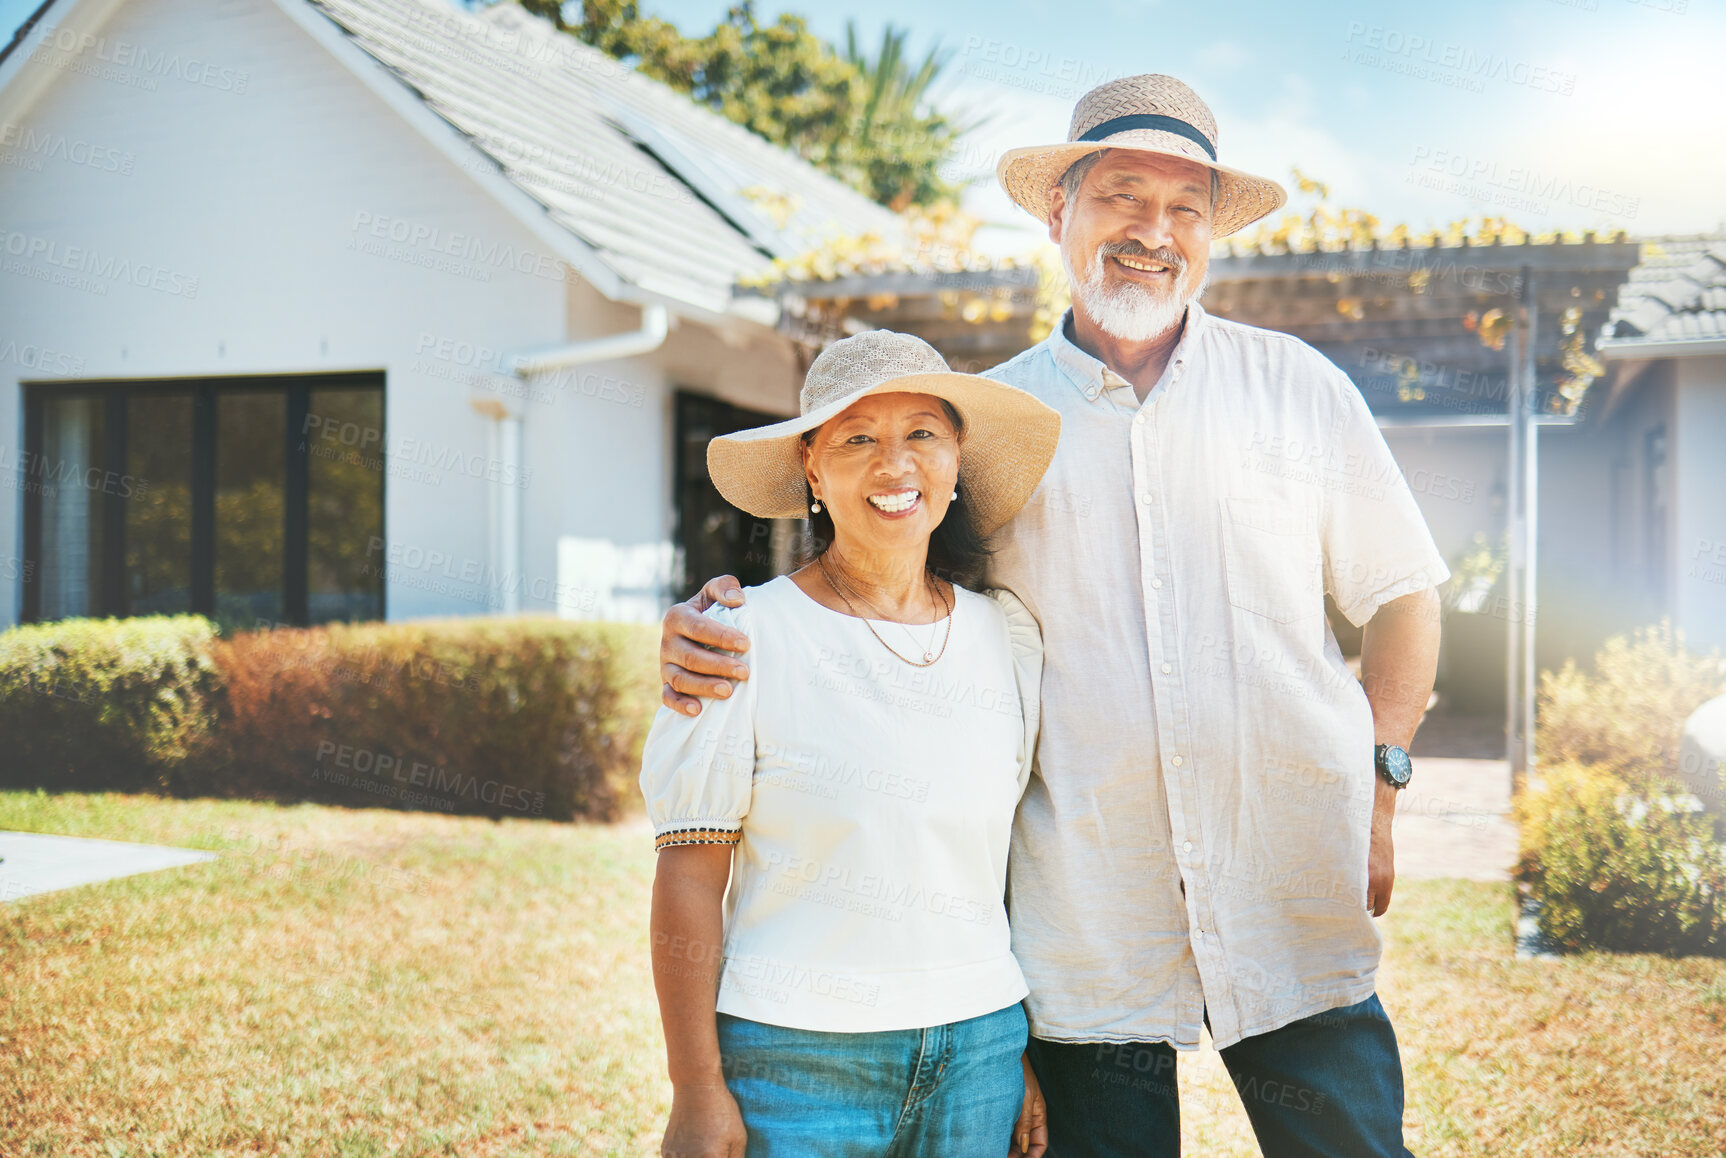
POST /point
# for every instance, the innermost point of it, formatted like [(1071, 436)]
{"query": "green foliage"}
[(1628, 714), (525, 716), (1612, 847), (105, 703), (892, 149), (864, 120), (1621, 869)]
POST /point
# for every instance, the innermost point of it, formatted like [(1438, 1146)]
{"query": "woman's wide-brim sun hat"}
[(1149, 114), (1008, 440)]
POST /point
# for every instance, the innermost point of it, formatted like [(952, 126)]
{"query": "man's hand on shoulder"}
[(686, 642)]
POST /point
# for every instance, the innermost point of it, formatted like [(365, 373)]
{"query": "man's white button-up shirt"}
[(1195, 838)]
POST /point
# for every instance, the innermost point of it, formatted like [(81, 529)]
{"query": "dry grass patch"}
[(338, 983), (355, 983)]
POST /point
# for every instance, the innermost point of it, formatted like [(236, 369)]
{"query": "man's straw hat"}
[(1151, 114), (1009, 435)]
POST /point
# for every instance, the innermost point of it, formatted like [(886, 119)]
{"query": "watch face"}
[(1395, 765)]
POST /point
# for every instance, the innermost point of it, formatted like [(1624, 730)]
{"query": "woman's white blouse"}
[(871, 804)]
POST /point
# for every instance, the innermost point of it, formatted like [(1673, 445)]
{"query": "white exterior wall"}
[(1457, 476), (301, 225), (266, 197), (614, 424), (1699, 544)]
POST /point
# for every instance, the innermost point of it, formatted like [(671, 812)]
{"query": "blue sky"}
[(1576, 113), (1583, 114)]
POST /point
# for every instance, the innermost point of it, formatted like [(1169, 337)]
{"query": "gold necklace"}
[(928, 659)]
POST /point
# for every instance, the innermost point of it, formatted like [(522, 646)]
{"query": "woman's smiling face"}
[(885, 469)]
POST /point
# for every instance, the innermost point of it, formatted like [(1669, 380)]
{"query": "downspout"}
[(655, 325)]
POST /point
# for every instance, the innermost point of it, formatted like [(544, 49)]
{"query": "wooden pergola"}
[(1494, 334), (977, 318), (1474, 334)]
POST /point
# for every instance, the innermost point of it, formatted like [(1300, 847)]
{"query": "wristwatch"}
[(1393, 765)]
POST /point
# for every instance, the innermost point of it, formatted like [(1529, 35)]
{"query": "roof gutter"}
[(655, 325)]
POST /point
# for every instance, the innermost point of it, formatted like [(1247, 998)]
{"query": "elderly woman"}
[(854, 993)]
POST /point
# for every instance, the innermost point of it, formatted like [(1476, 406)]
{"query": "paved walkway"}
[(1454, 818), (1453, 821), (32, 863)]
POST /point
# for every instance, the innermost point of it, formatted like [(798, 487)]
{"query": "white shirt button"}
[(1156, 584), (1176, 761), (1187, 846), (1138, 420), (1167, 668), (1146, 499)]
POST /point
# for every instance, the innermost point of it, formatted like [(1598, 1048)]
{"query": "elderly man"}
[(1208, 834)]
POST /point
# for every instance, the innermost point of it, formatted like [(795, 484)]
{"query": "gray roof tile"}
[(1677, 293), (568, 125)]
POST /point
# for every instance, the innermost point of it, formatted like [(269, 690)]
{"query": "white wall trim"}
[(1621, 349)]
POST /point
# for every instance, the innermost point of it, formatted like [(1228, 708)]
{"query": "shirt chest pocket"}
[(1272, 560)]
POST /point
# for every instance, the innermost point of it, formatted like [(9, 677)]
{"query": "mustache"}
[(1138, 250)]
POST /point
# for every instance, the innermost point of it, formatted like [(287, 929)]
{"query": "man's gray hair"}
[(1075, 177)]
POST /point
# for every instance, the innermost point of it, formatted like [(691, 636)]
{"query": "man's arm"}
[(1398, 661), (685, 663)]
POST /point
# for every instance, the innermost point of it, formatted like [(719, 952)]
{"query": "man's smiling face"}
[(1135, 238)]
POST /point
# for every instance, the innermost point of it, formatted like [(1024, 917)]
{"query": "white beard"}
[(1129, 312)]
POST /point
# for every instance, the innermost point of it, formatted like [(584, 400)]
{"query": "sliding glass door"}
[(208, 496)]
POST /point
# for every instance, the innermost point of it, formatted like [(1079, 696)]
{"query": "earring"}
[(955, 494), (815, 507)]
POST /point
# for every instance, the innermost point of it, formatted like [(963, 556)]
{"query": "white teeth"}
[(892, 504), (1146, 266)]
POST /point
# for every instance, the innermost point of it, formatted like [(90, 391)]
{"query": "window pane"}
[(72, 438), (250, 479), (345, 505), (159, 503)]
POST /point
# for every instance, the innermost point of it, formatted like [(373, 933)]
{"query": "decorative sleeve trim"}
[(698, 835)]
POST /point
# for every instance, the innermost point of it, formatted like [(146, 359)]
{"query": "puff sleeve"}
[(696, 772), (1026, 639)]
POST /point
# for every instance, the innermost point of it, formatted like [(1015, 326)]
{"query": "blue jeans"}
[(942, 1092), (1328, 1085)]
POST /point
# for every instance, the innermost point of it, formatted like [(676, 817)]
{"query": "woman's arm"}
[(688, 929), (1031, 1133)]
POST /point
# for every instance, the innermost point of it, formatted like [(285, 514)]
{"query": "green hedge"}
[(1612, 846), (1627, 712), (525, 716), (1622, 869), (90, 704)]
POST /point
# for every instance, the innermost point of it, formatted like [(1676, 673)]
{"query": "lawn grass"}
[(369, 982)]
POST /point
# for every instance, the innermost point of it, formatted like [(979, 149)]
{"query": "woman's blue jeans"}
[(944, 1092)]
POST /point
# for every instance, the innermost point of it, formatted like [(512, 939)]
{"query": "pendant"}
[(928, 657)]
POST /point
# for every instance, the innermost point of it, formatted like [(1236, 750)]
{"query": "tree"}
[(895, 142)]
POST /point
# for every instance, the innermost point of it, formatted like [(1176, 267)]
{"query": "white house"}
[(1665, 419), (1631, 513), (373, 308)]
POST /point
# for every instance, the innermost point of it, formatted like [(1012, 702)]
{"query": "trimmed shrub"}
[(115, 704), (525, 716), (1628, 713), (1617, 866)]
